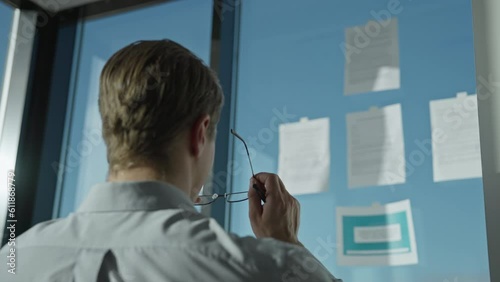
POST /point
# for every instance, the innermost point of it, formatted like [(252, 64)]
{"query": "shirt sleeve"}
[(301, 265), (289, 263)]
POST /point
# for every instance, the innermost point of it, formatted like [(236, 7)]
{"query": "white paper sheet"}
[(304, 156), (455, 145), (376, 154), (372, 57), (376, 235)]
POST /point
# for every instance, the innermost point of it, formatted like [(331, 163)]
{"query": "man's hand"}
[(279, 217)]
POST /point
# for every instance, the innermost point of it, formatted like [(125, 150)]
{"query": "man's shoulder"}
[(273, 248), (37, 234), (289, 262)]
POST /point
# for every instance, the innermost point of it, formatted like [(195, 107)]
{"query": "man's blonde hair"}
[(150, 91)]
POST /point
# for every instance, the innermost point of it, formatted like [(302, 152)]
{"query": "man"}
[(160, 106)]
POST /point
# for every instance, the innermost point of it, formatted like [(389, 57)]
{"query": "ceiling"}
[(60, 5)]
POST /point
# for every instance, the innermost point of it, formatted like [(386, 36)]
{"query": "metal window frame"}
[(17, 72), (487, 58), (68, 118), (224, 60), (60, 46)]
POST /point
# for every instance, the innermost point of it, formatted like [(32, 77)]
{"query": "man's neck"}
[(176, 178)]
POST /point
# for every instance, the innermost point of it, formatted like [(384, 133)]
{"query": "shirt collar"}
[(135, 196)]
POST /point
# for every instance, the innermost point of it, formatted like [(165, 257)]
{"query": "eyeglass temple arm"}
[(246, 148), (255, 186)]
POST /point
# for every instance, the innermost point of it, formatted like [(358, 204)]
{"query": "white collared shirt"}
[(150, 231)]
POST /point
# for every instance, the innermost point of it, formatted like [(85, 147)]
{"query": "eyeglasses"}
[(237, 196), (229, 197)]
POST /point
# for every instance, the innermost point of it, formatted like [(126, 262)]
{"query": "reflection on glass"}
[(278, 84)]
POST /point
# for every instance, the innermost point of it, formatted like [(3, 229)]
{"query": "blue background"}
[(290, 58), (6, 13)]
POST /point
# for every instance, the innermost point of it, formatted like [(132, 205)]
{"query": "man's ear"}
[(199, 137)]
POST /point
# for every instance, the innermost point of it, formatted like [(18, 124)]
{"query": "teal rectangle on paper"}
[(350, 222)]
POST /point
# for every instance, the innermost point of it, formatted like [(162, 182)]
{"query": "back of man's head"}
[(151, 91)]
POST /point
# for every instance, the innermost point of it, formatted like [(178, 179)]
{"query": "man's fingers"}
[(279, 216), (255, 207), (283, 189), (271, 183)]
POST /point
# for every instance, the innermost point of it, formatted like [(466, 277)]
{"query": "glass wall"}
[(6, 13), (292, 65), (292, 60), (187, 22)]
